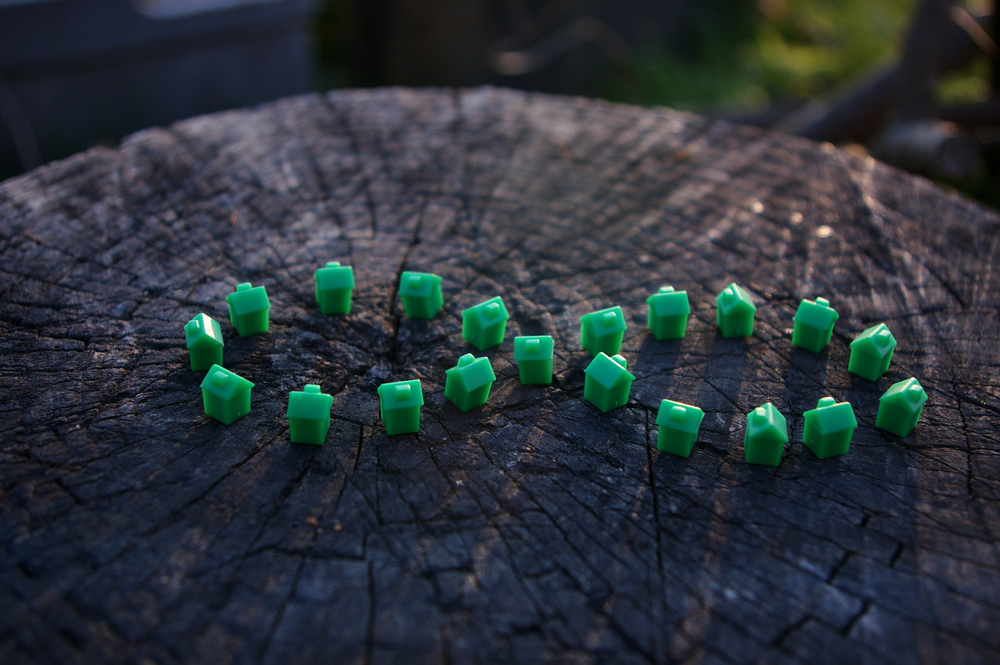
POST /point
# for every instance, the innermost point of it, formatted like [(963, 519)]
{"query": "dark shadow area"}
[(79, 73)]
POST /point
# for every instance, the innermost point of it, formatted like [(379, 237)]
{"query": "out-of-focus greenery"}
[(332, 31), (967, 85), (776, 50), (731, 54)]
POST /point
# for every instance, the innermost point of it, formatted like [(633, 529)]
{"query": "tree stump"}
[(136, 529)]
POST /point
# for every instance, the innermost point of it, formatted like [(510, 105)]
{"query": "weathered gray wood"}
[(135, 529)]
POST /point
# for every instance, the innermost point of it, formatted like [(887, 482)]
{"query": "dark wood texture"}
[(135, 529)]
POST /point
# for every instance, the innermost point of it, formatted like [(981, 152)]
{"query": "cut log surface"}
[(135, 529)]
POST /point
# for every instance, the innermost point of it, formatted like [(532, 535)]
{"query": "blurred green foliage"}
[(732, 54), (332, 31), (769, 51), (966, 85)]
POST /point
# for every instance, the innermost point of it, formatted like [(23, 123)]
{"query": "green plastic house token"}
[(608, 382), (871, 352), (533, 356), (483, 325), (678, 425), (602, 331), (814, 324), (468, 383), (399, 406), (309, 415), (829, 428), (900, 407), (734, 312), (668, 313), (204, 342), (334, 284), (226, 395), (421, 294), (248, 309), (765, 436)]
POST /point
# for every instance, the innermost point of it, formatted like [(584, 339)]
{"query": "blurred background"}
[(912, 82)]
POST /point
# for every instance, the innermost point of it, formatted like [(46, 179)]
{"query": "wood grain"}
[(536, 529)]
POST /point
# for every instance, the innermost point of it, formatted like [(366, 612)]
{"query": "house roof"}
[(907, 395), (877, 341), (604, 321), (203, 332), (418, 283), (335, 276), (668, 302), (832, 416), (766, 422), (817, 314), (734, 298), (487, 313), (247, 299), (679, 416), (473, 372), (225, 384), (533, 348), (400, 395), (309, 404), (609, 371)]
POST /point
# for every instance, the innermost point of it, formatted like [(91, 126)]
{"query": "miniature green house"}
[(814, 324), (248, 309), (204, 342), (226, 394), (734, 312), (309, 415), (668, 313), (607, 383), (399, 406), (900, 407), (829, 428), (468, 383), (421, 294), (871, 352), (483, 325), (765, 436), (602, 331), (678, 426), (334, 284), (533, 356)]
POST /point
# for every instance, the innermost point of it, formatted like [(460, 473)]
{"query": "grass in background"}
[(732, 55), (775, 51), (333, 27), (789, 51)]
